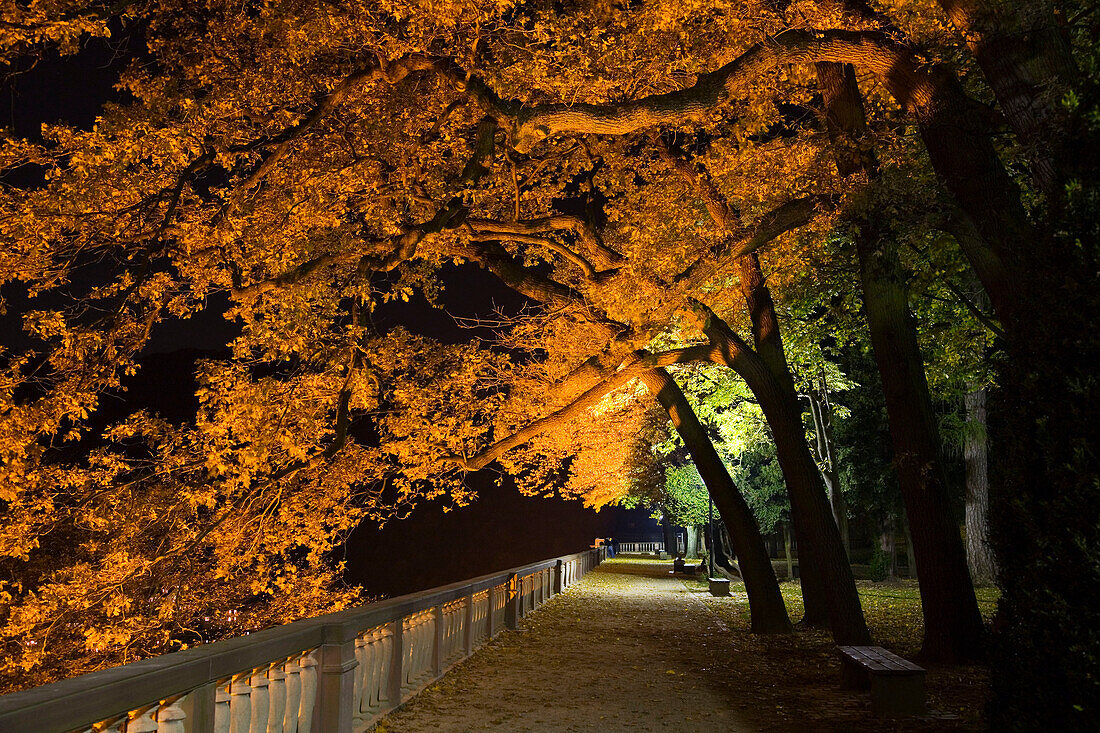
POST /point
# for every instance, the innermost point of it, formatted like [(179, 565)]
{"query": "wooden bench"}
[(896, 684)]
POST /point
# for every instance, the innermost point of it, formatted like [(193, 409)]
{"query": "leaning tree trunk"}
[(828, 589), (979, 553), (953, 628), (813, 555), (808, 502), (952, 623), (767, 612)]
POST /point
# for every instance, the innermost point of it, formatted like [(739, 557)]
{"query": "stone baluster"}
[(438, 639), (395, 673), (171, 718), (512, 611), (221, 708), (276, 691), (373, 659), (490, 600), (362, 673), (308, 675), (468, 637), (293, 681), (240, 705), (259, 701), (143, 723)]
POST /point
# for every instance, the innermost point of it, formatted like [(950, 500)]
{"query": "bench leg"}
[(853, 676), (897, 695)]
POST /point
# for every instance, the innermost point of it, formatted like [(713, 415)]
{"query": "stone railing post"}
[(491, 599), (468, 637), (440, 636), (332, 710), (201, 713), (259, 701), (512, 610), (397, 662)]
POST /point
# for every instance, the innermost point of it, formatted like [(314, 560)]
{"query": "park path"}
[(625, 649)]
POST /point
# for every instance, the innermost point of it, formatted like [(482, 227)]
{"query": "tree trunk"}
[(887, 543), (670, 535), (818, 563), (1028, 63), (952, 624), (767, 612), (787, 550), (979, 553), (910, 556), (813, 523), (825, 450), (828, 589), (725, 557), (692, 548)]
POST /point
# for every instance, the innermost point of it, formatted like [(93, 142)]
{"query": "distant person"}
[(610, 547)]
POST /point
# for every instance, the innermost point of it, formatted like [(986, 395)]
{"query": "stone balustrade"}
[(337, 673), (641, 547)]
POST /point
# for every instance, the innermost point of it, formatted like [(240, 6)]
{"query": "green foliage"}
[(760, 480), (686, 502)]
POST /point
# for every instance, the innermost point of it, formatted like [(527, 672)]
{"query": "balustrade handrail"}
[(79, 703)]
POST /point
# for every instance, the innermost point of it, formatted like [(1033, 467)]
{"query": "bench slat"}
[(877, 660)]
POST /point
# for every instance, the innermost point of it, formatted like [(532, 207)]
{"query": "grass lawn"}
[(795, 680)]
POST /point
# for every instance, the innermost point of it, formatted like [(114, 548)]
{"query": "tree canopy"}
[(301, 170)]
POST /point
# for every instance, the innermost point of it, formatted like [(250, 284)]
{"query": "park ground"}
[(633, 648)]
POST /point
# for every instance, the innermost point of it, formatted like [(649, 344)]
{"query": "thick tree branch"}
[(395, 250), (746, 240), (586, 235), (585, 266), (633, 368), (913, 87)]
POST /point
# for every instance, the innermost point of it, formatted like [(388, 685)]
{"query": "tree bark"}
[(1028, 62), (953, 628), (887, 543), (910, 557), (813, 523), (979, 553), (692, 548), (787, 550), (767, 612), (794, 453)]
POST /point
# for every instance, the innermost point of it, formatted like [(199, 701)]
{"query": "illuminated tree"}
[(309, 163)]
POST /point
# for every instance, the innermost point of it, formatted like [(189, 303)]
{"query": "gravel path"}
[(626, 649)]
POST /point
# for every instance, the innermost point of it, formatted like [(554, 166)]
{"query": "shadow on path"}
[(626, 649)]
